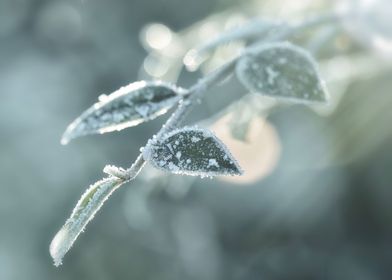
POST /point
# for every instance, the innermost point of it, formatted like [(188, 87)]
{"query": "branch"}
[(94, 197)]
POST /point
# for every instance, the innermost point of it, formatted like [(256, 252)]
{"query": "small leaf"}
[(90, 202), (282, 70), (129, 106), (191, 151)]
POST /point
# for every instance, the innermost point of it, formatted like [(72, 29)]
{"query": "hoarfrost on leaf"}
[(90, 202), (213, 162), (207, 156), (282, 70), (195, 139), (126, 107)]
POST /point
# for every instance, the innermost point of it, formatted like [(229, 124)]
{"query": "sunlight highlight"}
[(157, 36)]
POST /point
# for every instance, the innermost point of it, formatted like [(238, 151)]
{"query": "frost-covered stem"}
[(315, 21), (214, 78), (186, 104), (321, 39), (250, 30), (197, 90), (134, 170), (194, 93)]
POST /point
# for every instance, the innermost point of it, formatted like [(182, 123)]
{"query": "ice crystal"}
[(213, 162)]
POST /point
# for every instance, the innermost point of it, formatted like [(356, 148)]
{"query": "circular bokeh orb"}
[(258, 155), (59, 23)]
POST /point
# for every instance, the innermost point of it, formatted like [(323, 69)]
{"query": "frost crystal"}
[(282, 70), (195, 139), (129, 106), (192, 151), (272, 75), (212, 162)]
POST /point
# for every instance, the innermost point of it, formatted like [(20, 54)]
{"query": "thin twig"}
[(297, 28), (186, 104), (215, 77)]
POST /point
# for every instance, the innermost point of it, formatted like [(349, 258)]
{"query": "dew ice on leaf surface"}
[(192, 151), (129, 106), (84, 211), (282, 70)]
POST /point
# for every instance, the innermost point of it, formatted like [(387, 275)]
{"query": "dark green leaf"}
[(282, 70), (192, 151)]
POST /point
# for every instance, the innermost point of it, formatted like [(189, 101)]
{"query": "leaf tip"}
[(59, 246), (238, 171), (64, 140), (70, 133)]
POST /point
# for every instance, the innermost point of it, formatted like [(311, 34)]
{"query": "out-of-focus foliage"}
[(282, 71), (318, 209)]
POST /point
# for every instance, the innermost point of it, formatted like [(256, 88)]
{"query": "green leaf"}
[(128, 106), (282, 70), (191, 151), (90, 202)]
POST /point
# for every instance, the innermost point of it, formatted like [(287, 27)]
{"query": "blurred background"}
[(315, 199)]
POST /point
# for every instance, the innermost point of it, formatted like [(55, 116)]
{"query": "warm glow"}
[(258, 156), (155, 67), (157, 36)]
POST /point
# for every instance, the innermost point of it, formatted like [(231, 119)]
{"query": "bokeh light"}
[(261, 139), (156, 36)]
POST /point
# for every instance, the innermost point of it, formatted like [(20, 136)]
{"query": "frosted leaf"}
[(191, 151), (129, 106), (282, 70), (90, 202)]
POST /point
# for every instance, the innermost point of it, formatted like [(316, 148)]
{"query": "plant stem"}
[(296, 28), (190, 99), (197, 90), (321, 39), (316, 21)]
